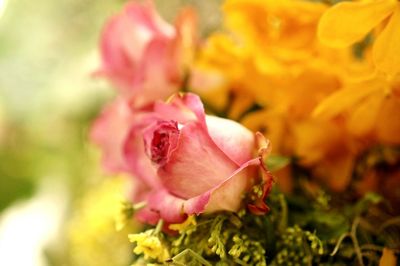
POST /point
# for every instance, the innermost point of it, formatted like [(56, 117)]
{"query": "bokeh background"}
[(57, 207)]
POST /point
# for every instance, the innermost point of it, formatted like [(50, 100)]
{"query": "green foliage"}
[(223, 239), (297, 247), (299, 230)]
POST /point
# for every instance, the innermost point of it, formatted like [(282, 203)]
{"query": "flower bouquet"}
[(272, 140)]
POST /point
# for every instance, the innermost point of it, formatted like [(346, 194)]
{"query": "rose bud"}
[(142, 55), (203, 163)]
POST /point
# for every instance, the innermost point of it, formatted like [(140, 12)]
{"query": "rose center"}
[(164, 139)]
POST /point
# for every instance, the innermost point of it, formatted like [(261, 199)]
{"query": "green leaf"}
[(277, 162), (188, 257)]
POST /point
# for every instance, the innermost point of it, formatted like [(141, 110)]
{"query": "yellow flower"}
[(274, 125), (348, 22), (326, 149), (91, 235), (290, 24), (189, 223), (290, 100), (150, 245), (218, 67), (369, 107), (388, 121), (271, 46), (271, 56)]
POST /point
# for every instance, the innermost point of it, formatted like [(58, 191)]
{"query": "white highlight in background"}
[(2, 7), (27, 227)]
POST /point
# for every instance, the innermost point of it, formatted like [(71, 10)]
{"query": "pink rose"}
[(195, 163), (109, 131), (142, 55)]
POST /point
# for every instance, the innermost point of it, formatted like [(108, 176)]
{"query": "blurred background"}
[(57, 207)]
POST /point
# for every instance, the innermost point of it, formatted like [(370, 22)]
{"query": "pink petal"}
[(224, 197), (231, 137), (146, 16), (160, 73), (160, 140), (165, 206), (136, 158), (228, 195), (196, 165), (149, 216), (182, 108), (128, 38), (109, 132)]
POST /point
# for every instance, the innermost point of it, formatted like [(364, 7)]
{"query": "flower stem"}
[(139, 205), (159, 226)]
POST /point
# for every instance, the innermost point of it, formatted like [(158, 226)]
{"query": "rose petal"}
[(169, 207), (224, 197), (189, 108), (160, 77), (160, 139), (109, 132), (228, 195), (137, 160), (136, 46), (182, 108), (196, 165), (234, 139)]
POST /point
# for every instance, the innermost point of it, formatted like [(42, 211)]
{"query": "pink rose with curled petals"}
[(142, 55), (200, 163)]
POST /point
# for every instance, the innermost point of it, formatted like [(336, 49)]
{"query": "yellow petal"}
[(312, 144), (272, 124), (347, 97), (336, 171), (386, 51), (388, 122), (349, 22), (241, 102), (363, 118)]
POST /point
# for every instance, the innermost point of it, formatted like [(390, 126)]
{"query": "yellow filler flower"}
[(150, 245)]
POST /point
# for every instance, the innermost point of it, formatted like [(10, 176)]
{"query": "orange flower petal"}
[(346, 98), (388, 122), (386, 51), (348, 22), (388, 258), (336, 171), (363, 117)]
